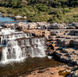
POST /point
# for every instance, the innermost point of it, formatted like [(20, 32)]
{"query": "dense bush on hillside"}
[(53, 3), (41, 10)]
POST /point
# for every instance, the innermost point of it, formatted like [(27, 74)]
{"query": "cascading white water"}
[(39, 47), (16, 46), (13, 52)]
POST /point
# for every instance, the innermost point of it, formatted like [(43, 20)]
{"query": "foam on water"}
[(12, 51)]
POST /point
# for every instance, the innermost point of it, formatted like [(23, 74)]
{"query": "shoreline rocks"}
[(20, 17)]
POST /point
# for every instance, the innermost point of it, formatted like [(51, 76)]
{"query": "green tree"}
[(16, 3), (42, 7)]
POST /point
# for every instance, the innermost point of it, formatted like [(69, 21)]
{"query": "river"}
[(26, 67), (5, 19)]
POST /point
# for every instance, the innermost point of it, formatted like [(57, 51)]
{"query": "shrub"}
[(42, 7)]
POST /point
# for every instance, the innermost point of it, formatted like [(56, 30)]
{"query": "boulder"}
[(18, 17)]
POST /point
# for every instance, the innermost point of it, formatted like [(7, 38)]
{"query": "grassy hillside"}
[(35, 10)]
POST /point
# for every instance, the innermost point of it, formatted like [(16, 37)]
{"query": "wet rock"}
[(71, 27), (75, 24), (58, 26), (68, 55)]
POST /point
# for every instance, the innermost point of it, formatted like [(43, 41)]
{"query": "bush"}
[(42, 7), (39, 17), (66, 10)]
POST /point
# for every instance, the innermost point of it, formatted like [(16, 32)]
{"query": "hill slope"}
[(42, 10)]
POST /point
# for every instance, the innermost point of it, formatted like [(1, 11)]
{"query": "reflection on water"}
[(27, 66)]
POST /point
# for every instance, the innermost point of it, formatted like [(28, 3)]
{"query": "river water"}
[(26, 67), (5, 19), (10, 20)]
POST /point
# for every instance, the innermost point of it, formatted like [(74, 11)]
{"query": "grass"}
[(72, 16)]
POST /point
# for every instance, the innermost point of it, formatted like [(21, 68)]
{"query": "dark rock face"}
[(58, 26), (67, 55), (0, 56), (0, 53), (73, 33)]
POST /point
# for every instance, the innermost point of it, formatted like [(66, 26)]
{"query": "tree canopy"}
[(52, 3)]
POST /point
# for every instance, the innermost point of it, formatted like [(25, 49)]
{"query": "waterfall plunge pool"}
[(26, 67)]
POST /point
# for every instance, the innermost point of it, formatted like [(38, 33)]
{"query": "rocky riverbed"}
[(62, 45)]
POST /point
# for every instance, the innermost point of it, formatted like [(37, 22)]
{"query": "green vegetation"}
[(42, 10)]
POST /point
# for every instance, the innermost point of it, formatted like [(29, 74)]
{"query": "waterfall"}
[(12, 52), (15, 52), (37, 47)]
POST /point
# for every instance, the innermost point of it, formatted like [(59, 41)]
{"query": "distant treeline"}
[(53, 3)]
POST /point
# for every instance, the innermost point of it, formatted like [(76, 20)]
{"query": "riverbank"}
[(61, 71)]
